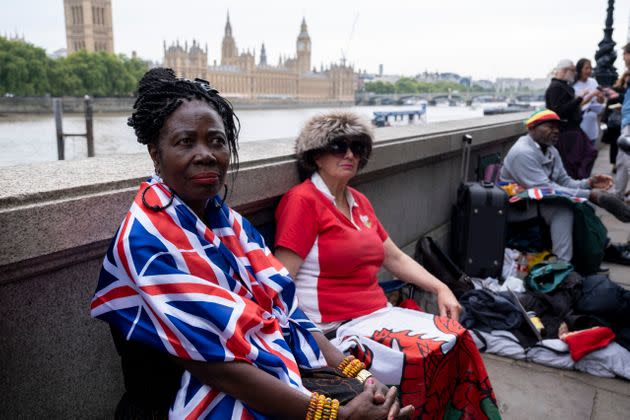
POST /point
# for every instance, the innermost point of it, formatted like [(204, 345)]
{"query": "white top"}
[(590, 111)]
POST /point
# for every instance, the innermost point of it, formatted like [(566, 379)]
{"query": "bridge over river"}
[(453, 97), (57, 218)]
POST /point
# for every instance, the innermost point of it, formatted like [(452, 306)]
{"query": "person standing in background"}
[(591, 111), (577, 152), (623, 155)]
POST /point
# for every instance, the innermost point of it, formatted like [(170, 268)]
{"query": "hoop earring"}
[(156, 208), (225, 191)]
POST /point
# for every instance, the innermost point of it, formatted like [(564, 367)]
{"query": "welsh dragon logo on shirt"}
[(366, 221)]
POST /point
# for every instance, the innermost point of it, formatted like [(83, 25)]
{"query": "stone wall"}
[(57, 218)]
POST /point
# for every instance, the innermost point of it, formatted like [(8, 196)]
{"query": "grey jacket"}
[(529, 167)]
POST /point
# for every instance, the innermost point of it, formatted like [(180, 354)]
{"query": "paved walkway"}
[(531, 391)]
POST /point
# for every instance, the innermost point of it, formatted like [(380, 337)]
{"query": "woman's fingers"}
[(451, 310), (379, 390), (391, 396), (369, 385), (405, 412), (394, 410), (456, 311)]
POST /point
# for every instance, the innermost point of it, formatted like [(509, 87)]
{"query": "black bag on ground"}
[(478, 225), (431, 257)]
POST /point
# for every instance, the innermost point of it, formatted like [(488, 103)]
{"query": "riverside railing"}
[(89, 127)]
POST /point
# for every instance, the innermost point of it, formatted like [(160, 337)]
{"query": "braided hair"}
[(160, 93)]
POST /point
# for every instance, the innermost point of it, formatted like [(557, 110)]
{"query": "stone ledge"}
[(52, 207)]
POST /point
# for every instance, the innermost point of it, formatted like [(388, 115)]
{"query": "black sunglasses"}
[(339, 148)]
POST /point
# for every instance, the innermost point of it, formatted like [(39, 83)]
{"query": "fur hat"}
[(322, 129)]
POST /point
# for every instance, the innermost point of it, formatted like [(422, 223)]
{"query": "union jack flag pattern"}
[(203, 292), (542, 193)]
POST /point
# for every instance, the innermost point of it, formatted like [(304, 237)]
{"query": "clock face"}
[(300, 46)]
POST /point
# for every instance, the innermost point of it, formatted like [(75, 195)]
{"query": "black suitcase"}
[(478, 225)]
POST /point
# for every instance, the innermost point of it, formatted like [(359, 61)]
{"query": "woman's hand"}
[(364, 407), (408, 270), (448, 304), (587, 95), (380, 390)]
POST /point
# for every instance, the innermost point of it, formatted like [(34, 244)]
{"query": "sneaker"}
[(617, 254)]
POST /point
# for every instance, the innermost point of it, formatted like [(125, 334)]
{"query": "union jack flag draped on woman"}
[(203, 292)]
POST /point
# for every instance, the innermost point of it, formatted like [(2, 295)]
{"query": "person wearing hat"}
[(534, 162), (623, 156), (576, 150), (331, 241)]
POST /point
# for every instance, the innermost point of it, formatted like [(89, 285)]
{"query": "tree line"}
[(26, 70), (408, 85)]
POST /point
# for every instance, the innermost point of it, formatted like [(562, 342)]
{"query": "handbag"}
[(332, 383), (545, 277), (430, 256)]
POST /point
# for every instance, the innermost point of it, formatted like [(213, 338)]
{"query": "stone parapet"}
[(56, 220)]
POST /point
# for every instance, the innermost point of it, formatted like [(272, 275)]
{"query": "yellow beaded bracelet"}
[(322, 408), (345, 362), (312, 405), (352, 368)]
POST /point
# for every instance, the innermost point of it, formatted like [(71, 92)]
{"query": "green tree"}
[(135, 67), (27, 70), (406, 85), (380, 87), (23, 68), (478, 88)]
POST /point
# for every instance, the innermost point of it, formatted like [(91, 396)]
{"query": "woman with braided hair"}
[(204, 317)]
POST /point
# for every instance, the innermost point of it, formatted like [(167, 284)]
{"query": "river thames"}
[(31, 138)]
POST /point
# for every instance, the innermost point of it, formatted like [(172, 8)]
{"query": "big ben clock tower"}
[(303, 48)]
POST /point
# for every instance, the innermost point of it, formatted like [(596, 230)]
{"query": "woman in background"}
[(592, 110)]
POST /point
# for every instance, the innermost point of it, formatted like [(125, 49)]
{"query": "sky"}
[(484, 39)]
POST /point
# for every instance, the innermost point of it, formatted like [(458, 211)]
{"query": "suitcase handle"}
[(467, 140)]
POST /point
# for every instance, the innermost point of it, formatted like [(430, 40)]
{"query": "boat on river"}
[(405, 117), (510, 108)]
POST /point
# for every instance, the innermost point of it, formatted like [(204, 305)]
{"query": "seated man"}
[(532, 162)]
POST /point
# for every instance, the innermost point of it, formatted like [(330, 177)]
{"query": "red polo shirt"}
[(337, 281)]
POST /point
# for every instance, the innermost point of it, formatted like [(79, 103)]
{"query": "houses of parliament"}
[(240, 75)]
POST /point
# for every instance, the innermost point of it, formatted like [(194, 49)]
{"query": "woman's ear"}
[(154, 152), (316, 159)]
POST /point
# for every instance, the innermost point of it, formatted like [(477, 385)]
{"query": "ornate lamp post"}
[(605, 71)]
